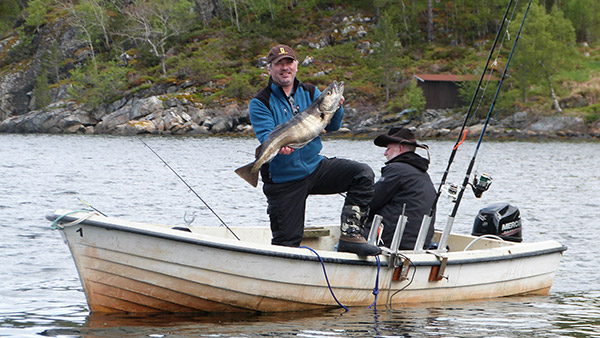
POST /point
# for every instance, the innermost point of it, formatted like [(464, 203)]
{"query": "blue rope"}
[(326, 279), (376, 288)]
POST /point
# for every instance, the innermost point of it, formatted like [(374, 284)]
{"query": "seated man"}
[(404, 180)]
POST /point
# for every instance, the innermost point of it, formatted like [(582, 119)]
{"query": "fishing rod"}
[(184, 182), (446, 232), (462, 133)]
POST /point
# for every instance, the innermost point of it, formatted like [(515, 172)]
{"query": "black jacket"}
[(404, 179)]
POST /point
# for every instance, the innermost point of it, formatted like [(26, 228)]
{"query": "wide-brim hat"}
[(396, 135), (279, 52)]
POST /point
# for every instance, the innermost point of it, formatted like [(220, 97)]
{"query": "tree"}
[(387, 49), (9, 10), (93, 86), (37, 13), (78, 19), (51, 60), (94, 14), (41, 90), (429, 21), (547, 45), (154, 22), (585, 16)]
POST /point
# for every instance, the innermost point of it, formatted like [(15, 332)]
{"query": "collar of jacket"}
[(412, 158)]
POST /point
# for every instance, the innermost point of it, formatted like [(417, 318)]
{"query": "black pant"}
[(287, 201)]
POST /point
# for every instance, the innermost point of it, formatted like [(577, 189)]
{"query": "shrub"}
[(93, 88)]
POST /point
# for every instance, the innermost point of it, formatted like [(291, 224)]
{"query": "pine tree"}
[(41, 90)]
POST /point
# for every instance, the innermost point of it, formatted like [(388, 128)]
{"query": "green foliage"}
[(484, 98), (94, 87), (585, 17), (592, 116), (51, 60), (547, 46), (220, 56), (413, 98), (387, 49), (37, 13), (197, 69), (154, 23), (248, 15), (93, 16), (239, 87), (9, 10), (22, 50), (41, 90)]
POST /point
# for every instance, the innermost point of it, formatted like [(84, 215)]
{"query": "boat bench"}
[(315, 232)]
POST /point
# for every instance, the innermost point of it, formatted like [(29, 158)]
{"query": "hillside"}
[(64, 71)]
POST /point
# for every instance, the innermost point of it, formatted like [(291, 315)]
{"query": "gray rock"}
[(555, 124), (222, 124)]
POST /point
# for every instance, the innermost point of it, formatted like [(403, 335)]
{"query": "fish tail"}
[(246, 173)]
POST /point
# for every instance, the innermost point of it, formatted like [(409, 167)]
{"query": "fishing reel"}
[(452, 190), (481, 184)]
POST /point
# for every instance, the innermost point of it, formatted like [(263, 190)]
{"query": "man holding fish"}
[(288, 116)]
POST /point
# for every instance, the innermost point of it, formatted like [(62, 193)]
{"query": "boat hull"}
[(136, 267)]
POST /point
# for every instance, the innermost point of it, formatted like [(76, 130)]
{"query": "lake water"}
[(556, 186)]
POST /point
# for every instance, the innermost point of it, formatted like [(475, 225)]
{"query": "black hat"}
[(396, 135), (279, 52)]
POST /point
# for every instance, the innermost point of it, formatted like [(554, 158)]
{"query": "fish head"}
[(331, 97)]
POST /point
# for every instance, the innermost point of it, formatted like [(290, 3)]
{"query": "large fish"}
[(296, 132)]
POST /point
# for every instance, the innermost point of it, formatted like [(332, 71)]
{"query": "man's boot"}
[(351, 239)]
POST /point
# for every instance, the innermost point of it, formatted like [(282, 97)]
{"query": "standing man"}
[(294, 174), (404, 180)]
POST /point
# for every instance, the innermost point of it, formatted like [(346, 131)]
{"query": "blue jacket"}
[(302, 162)]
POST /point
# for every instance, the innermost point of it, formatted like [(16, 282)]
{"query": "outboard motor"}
[(500, 219)]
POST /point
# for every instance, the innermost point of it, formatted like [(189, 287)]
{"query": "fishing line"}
[(184, 182), (446, 232), (463, 131)]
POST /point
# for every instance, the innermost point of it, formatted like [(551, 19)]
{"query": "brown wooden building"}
[(441, 90)]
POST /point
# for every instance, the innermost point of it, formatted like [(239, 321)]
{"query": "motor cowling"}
[(500, 219)]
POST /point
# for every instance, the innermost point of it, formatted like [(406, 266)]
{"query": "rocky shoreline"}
[(175, 115)]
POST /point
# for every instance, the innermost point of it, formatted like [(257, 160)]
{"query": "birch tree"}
[(154, 22), (547, 45), (92, 19)]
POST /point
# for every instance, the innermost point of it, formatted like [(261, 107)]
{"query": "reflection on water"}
[(556, 186), (544, 316)]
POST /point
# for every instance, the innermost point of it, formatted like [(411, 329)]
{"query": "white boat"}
[(126, 266)]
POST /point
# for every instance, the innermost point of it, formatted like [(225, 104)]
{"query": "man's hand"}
[(286, 150), (341, 101)]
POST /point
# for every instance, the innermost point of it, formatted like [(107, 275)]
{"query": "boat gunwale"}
[(306, 257)]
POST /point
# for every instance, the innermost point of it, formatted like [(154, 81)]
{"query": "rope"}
[(376, 288), (56, 226), (326, 278), (388, 303)]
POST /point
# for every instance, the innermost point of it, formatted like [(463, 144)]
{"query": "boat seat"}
[(315, 232)]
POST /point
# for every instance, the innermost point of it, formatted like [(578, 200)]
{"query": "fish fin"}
[(298, 145), (246, 173), (257, 151)]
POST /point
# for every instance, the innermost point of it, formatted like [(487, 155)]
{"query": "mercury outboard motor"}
[(500, 219)]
